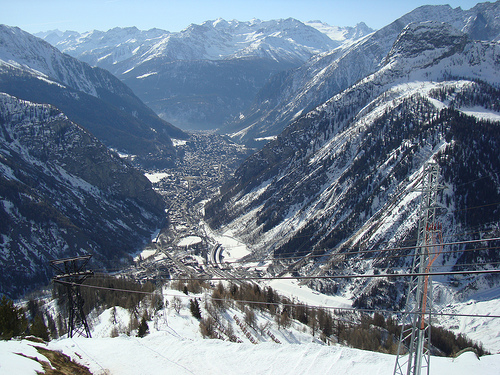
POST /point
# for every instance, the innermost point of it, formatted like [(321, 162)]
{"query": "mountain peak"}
[(417, 38)]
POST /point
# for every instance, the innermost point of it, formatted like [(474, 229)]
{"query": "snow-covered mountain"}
[(342, 176), (293, 93), (32, 69), (205, 74), (63, 193), (282, 40), (341, 34)]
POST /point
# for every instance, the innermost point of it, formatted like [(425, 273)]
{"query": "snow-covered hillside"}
[(163, 352), (342, 177), (291, 94), (175, 345), (412, 69)]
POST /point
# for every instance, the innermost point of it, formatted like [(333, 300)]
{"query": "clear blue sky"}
[(174, 15)]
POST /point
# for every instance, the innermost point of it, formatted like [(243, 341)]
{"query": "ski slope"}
[(164, 353)]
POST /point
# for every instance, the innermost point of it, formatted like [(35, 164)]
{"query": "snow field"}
[(175, 344), (163, 353)]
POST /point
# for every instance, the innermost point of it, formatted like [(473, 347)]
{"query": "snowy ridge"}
[(176, 345), (212, 40), (327, 74), (33, 70), (24, 49)]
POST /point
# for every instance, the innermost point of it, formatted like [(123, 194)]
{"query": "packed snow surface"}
[(175, 345), (156, 176), (166, 353), (145, 254), (189, 240), (482, 113)]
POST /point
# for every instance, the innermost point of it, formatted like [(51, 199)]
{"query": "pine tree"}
[(12, 320), (143, 328), (250, 318), (51, 326), (194, 306), (177, 304), (39, 329)]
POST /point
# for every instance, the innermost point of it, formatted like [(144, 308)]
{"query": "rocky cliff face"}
[(63, 193)]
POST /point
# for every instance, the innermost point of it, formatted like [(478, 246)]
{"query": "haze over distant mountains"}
[(203, 76)]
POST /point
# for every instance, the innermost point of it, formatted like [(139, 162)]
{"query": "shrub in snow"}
[(143, 328), (194, 306)]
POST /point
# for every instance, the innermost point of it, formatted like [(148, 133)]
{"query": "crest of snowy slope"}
[(291, 94), (24, 49), (63, 193)]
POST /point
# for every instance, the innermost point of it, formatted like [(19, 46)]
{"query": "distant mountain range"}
[(203, 76)]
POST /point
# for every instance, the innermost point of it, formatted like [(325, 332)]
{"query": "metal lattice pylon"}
[(416, 321), (72, 275)]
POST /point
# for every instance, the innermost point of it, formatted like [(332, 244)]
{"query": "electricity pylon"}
[(416, 321), (71, 275)]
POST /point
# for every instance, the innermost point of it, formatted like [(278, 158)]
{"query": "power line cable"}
[(358, 252), (211, 267), (340, 308), (360, 276), (325, 254)]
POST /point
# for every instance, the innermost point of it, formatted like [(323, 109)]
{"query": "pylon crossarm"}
[(72, 274)]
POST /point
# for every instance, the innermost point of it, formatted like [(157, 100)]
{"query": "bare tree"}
[(250, 317), (177, 304)]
